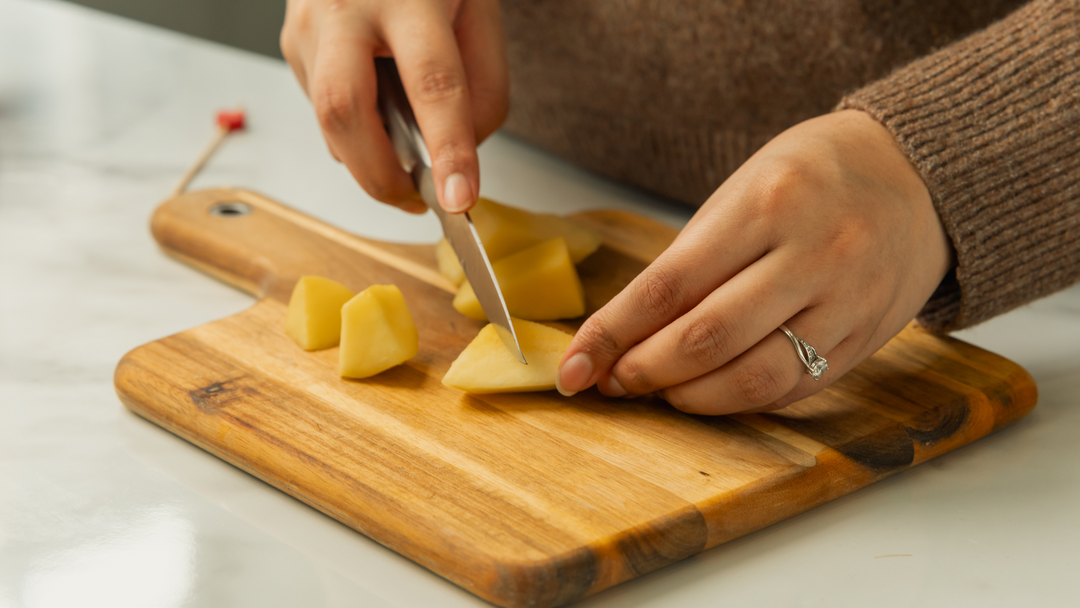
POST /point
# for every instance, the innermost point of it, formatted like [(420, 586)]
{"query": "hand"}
[(828, 229), (452, 61)]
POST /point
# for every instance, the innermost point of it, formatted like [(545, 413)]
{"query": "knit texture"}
[(674, 95), (992, 123)]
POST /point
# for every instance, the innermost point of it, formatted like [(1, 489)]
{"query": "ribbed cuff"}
[(992, 124)]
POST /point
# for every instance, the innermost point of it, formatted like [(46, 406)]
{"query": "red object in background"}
[(227, 122), (231, 120)]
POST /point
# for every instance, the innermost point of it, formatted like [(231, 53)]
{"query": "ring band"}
[(815, 365)]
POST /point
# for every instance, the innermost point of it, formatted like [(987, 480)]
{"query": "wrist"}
[(899, 170)]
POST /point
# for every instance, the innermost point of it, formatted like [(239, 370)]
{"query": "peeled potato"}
[(486, 365), (538, 284), (314, 317), (506, 230), (377, 332), (448, 262)]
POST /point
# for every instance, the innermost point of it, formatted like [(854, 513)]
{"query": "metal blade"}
[(459, 230), (461, 233)]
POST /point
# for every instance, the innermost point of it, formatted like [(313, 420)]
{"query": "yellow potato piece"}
[(448, 262), (538, 284), (377, 332), (486, 366), (506, 230), (314, 317)]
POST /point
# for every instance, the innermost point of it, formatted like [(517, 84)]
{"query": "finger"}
[(295, 41), (703, 256), (845, 356), (343, 91), (478, 30), (768, 371), (762, 191), (727, 322), (431, 69), (863, 342), (292, 30)]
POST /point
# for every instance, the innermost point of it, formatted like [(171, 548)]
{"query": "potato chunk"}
[(506, 230), (449, 266), (538, 284), (486, 365), (377, 332), (314, 317)]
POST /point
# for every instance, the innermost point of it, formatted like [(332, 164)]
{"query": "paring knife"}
[(411, 150)]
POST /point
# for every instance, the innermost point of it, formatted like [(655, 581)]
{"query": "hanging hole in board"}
[(230, 209)]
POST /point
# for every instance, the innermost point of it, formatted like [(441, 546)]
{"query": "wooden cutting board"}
[(527, 499)]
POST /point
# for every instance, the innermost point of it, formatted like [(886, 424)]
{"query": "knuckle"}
[(661, 294), (438, 83), (633, 378), (757, 385), (288, 49), (707, 341), (795, 172), (335, 106), (452, 155), (599, 339), (297, 21), (782, 186)]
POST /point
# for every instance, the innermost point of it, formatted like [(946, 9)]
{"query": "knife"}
[(413, 154)]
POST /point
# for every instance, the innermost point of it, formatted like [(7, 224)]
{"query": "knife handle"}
[(400, 122)]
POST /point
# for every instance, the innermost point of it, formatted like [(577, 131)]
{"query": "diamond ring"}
[(815, 364)]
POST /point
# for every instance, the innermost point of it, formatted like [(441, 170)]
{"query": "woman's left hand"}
[(828, 230)]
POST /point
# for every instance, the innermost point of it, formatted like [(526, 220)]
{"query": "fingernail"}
[(563, 391), (574, 374), (614, 389), (456, 193)]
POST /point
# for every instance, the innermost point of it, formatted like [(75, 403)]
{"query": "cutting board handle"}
[(263, 247)]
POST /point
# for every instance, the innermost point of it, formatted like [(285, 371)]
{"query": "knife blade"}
[(413, 154)]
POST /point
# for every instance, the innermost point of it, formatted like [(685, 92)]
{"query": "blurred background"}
[(248, 24)]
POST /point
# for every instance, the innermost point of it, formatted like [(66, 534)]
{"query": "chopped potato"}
[(505, 230), (486, 365), (538, 284), (448, 262), (314, 317), (377, 332)]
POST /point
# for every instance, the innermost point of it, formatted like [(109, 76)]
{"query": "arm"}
[(992, 124), (831, 228)]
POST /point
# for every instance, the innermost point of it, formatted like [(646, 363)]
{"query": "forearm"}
[(992, 124)]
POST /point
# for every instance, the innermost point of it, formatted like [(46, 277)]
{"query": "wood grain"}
[(523, 499)]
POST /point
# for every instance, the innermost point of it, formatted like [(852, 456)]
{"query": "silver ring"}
[(815, 365)]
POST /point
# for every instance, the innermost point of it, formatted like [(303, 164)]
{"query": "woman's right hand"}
[(452, 60)]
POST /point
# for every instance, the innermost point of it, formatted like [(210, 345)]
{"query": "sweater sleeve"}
[(992, 124)]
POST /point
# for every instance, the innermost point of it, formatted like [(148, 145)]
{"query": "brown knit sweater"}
[(672, 96)]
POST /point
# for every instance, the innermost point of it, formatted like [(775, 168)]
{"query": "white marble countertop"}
[(99, 117)]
